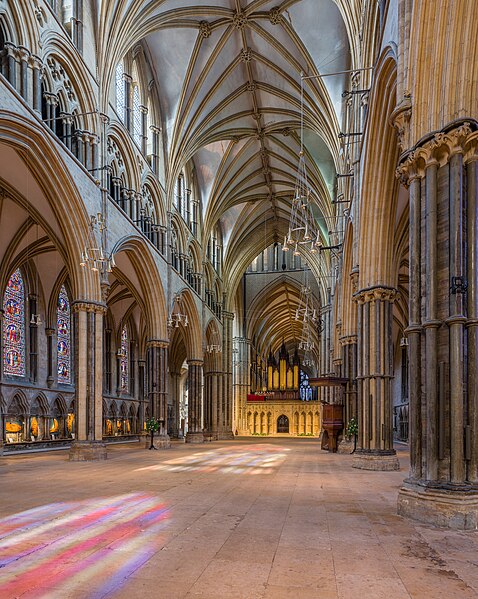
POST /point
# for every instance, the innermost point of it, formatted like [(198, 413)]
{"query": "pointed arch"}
[(380, 186), (150, 296), (193, 332)]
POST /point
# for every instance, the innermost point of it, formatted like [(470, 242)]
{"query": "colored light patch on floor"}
[(252, 459), (55, 550)]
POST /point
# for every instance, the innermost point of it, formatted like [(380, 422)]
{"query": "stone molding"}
[(457, 510), (373, 294)]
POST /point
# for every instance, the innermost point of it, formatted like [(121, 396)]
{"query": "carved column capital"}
[(87, 306), (437, 149), (162, 343), (195, 362)]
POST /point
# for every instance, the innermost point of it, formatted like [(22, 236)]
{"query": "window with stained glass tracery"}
[(64, 337), (124, 360), (14, 326), (305, 388)]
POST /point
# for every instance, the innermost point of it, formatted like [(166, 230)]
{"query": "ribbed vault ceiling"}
[(229, 80)]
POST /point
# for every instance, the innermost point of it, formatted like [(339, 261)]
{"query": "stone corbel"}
[(348, 340), (400, 119), (373, 294)]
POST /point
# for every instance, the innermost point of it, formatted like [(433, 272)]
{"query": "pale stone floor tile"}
[(232, 579), (282, 592), (312, 528), (352, 586)]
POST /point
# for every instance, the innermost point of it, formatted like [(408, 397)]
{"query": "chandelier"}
[(176, 317), (214, 347), (303, 229), (307, 313), (94, 255)]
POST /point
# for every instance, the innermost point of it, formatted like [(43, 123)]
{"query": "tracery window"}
[(124, 360), (137, 121), (14, 326), (64, 337), (120, 95)]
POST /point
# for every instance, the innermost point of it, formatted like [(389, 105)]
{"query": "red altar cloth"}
[(254, 397)]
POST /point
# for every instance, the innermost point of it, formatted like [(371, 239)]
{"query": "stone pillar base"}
[(87, 451), (210, 436), (194, 437), (376, 461), (457, 510), (225, 436), (159, 442), (345, 446)]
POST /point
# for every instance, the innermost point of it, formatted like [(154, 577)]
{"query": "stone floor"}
[(251, 518)]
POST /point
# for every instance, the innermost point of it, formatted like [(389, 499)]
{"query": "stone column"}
[(154, 159), (24, 55), (128, 109), (325, 358), (157, 387), (349, 362), (36, 65), (472, 324), (375, 439), (242, 383), (414, 330), (442, 487), (141, 394), (33, 326), (144, 129), (430, 323), (11, 70), (175, 380), (50, 336), (88, 327), (208, 413), (227, 415), (195, 434)]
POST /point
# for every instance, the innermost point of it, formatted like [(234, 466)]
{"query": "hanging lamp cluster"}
[(94, 255), (303, 229), (307, 313), (176, 317)]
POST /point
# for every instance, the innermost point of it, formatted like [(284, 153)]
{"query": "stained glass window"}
[(64, 337), (120, 97), (14, 326), (137, 125), (124, 360), (305, 388)]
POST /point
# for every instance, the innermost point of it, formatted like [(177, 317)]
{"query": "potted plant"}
[(152, 425), (352, 431)]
